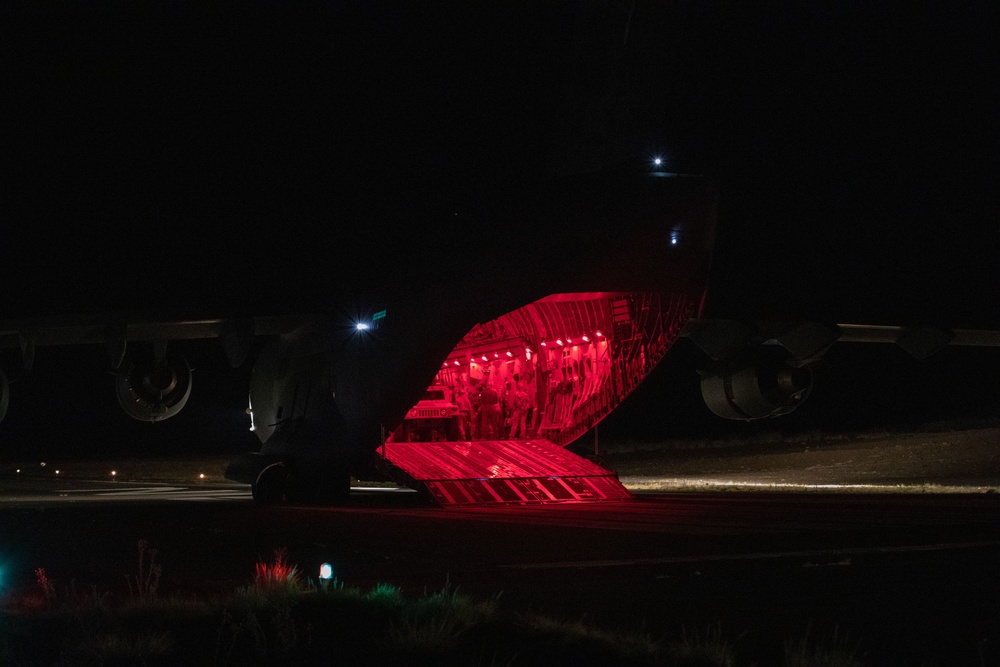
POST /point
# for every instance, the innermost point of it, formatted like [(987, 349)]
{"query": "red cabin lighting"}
[(567, 401)]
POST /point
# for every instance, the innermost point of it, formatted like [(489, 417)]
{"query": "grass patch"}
[(142, 585), (580, 642), (140, 648), (776, 440), (282, 618), (708, 649), (386, 596), (810, 651)]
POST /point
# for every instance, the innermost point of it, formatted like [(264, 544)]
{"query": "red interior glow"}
[(567, 389)]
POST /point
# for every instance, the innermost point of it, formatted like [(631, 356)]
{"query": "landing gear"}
[(271, 484), (297, 490), (277, 483), (335, 489)]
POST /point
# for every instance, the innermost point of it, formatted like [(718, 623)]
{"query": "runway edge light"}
[(325, 575)]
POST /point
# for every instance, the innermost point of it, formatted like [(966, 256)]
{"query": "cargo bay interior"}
[(551, 369)]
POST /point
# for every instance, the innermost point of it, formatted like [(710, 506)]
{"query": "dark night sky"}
[(176, 154)]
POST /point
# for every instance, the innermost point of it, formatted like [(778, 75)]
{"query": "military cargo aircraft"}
[(448, 241), (471, 386)]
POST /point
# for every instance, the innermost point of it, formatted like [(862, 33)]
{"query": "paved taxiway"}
[(919, 569)]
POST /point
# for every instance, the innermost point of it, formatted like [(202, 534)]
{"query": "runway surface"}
[(903, 574)]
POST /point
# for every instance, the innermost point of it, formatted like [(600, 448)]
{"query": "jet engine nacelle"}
[(153, 390), (758, 388)]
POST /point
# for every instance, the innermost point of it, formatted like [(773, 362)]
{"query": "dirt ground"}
[(947, 460)]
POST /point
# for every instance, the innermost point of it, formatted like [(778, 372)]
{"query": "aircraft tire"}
[(271, 484), (336, 490), (298, 490)]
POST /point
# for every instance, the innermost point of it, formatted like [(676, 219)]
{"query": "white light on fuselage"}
[(361, 326)]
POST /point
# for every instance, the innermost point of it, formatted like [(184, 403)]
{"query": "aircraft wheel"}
[(271, 484), (335, 490), (299, 491)]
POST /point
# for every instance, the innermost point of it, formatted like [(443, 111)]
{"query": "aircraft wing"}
[(721, 339), (116, 331), (912, 339), (717, 338), (765, 370)]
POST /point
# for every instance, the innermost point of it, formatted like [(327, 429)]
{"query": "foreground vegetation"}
[(284, 618)]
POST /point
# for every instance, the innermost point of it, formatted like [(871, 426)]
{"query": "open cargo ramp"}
[(500, 472)]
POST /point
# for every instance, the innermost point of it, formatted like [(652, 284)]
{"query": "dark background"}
[(252, 157)]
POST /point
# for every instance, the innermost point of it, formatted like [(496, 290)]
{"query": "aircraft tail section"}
[(500, 472)]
